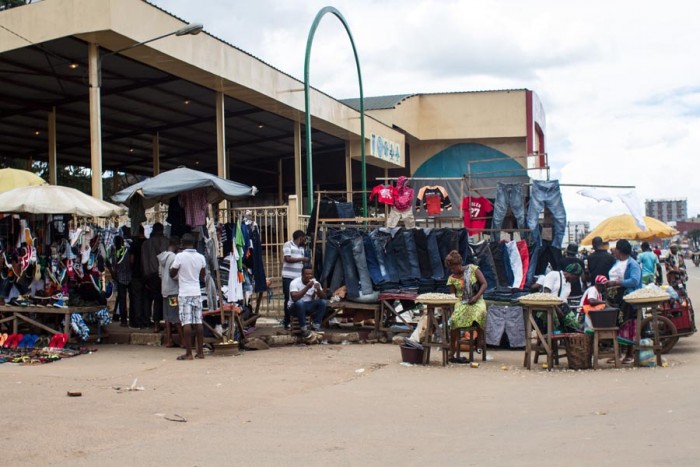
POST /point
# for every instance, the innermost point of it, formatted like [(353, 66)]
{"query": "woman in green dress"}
[(468, 284)]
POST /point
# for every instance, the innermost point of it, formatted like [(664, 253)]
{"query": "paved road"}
[(347, 405)]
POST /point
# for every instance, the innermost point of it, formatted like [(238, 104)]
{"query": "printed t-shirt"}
[(384, 194), (475, 210), (434, 199)]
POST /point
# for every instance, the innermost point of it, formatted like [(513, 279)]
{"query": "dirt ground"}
[(346, 405)]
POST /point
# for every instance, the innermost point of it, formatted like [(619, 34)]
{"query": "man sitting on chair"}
[(306, 297)]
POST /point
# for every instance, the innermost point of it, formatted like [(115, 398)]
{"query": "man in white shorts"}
[(189, 268)]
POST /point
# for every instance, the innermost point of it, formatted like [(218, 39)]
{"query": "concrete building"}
[(667, 210), (201, 102)]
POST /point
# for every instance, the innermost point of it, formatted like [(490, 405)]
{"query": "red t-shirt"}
[(475, 210)]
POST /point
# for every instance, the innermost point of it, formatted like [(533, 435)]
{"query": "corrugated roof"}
[(377, 102), (390, 102)]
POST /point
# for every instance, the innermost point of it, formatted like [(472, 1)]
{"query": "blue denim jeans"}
[(486, 264), (411, 252), (339, 247), (546, 194), (436, 262), (508, 195), (316, 308), (375, 271), (380, 240), (358, 253)]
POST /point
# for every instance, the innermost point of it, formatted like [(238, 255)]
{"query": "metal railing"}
[(272, 224)]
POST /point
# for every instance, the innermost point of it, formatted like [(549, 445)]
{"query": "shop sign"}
[(385, 149)]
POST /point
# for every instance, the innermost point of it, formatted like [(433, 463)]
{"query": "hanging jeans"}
[(500, 266), (546, 194), (505, 256), (508, 195), (486, 264), (379, 241), (448, 240), (436, 263), (412, 252), (421, 239), (375, 271), (339, 245), (358, 253), (399, 251)]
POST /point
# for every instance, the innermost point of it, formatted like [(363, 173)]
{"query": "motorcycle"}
[(696, 259)]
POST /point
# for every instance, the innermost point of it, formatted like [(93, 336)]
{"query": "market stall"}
[(52, 263), (232, 249)]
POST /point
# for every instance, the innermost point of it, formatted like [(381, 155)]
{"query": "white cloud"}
[(617, 79)]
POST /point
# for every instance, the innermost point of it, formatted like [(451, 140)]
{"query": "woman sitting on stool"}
[(468, 284)]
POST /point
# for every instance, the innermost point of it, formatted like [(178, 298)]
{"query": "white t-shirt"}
[(556, 282), (189, 263), (617, 272), (297, 285), (591, 293)]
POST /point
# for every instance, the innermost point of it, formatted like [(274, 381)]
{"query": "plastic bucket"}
[(411, 355)]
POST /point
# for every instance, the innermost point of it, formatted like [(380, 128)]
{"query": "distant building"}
[(576, 231), (667, 210)]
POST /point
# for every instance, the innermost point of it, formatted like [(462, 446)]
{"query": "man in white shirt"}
[(189, 268), (292, 263), (306, 297)]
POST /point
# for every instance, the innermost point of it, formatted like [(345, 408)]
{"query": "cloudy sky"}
[(618, 80)]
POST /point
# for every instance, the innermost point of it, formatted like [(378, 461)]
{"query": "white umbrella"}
[(54, 199)]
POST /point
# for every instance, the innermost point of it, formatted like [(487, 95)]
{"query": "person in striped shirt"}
[(292, 264)]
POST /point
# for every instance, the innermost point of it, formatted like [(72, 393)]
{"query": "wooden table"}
[(20, 313), (652, 305), (387, 310), (338, 308), (446, 307), (545, 339)]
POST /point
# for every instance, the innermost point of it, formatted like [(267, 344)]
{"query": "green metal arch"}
[(309, 168)]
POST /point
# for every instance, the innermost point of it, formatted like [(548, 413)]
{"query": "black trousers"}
[(136, 299), (122, 291), (153, 299), (285, 292)]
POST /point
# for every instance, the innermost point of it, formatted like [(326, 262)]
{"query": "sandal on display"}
[(8, 341), (15, 342), (3, 338), (53, 343), (31, 342)]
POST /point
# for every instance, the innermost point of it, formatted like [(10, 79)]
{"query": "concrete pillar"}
[(220, 136), (348, 172), (156, 154), (298, 187), (53, 171), (95, 120), (292, 215)]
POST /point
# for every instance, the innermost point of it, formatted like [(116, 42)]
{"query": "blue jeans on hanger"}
[(412, 253), (358, 253), (508, 195), (486, 264), (436, 262), (546, 193), (380, 240), (375, 272)]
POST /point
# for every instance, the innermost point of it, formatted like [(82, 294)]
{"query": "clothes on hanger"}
[(475, 211), (509, 195), (546, 193), (433, 199), (383, 193), (194, 203)]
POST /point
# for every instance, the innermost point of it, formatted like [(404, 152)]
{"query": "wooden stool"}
[(479, 342), (540, 350), (605, 334), (295, 328)]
